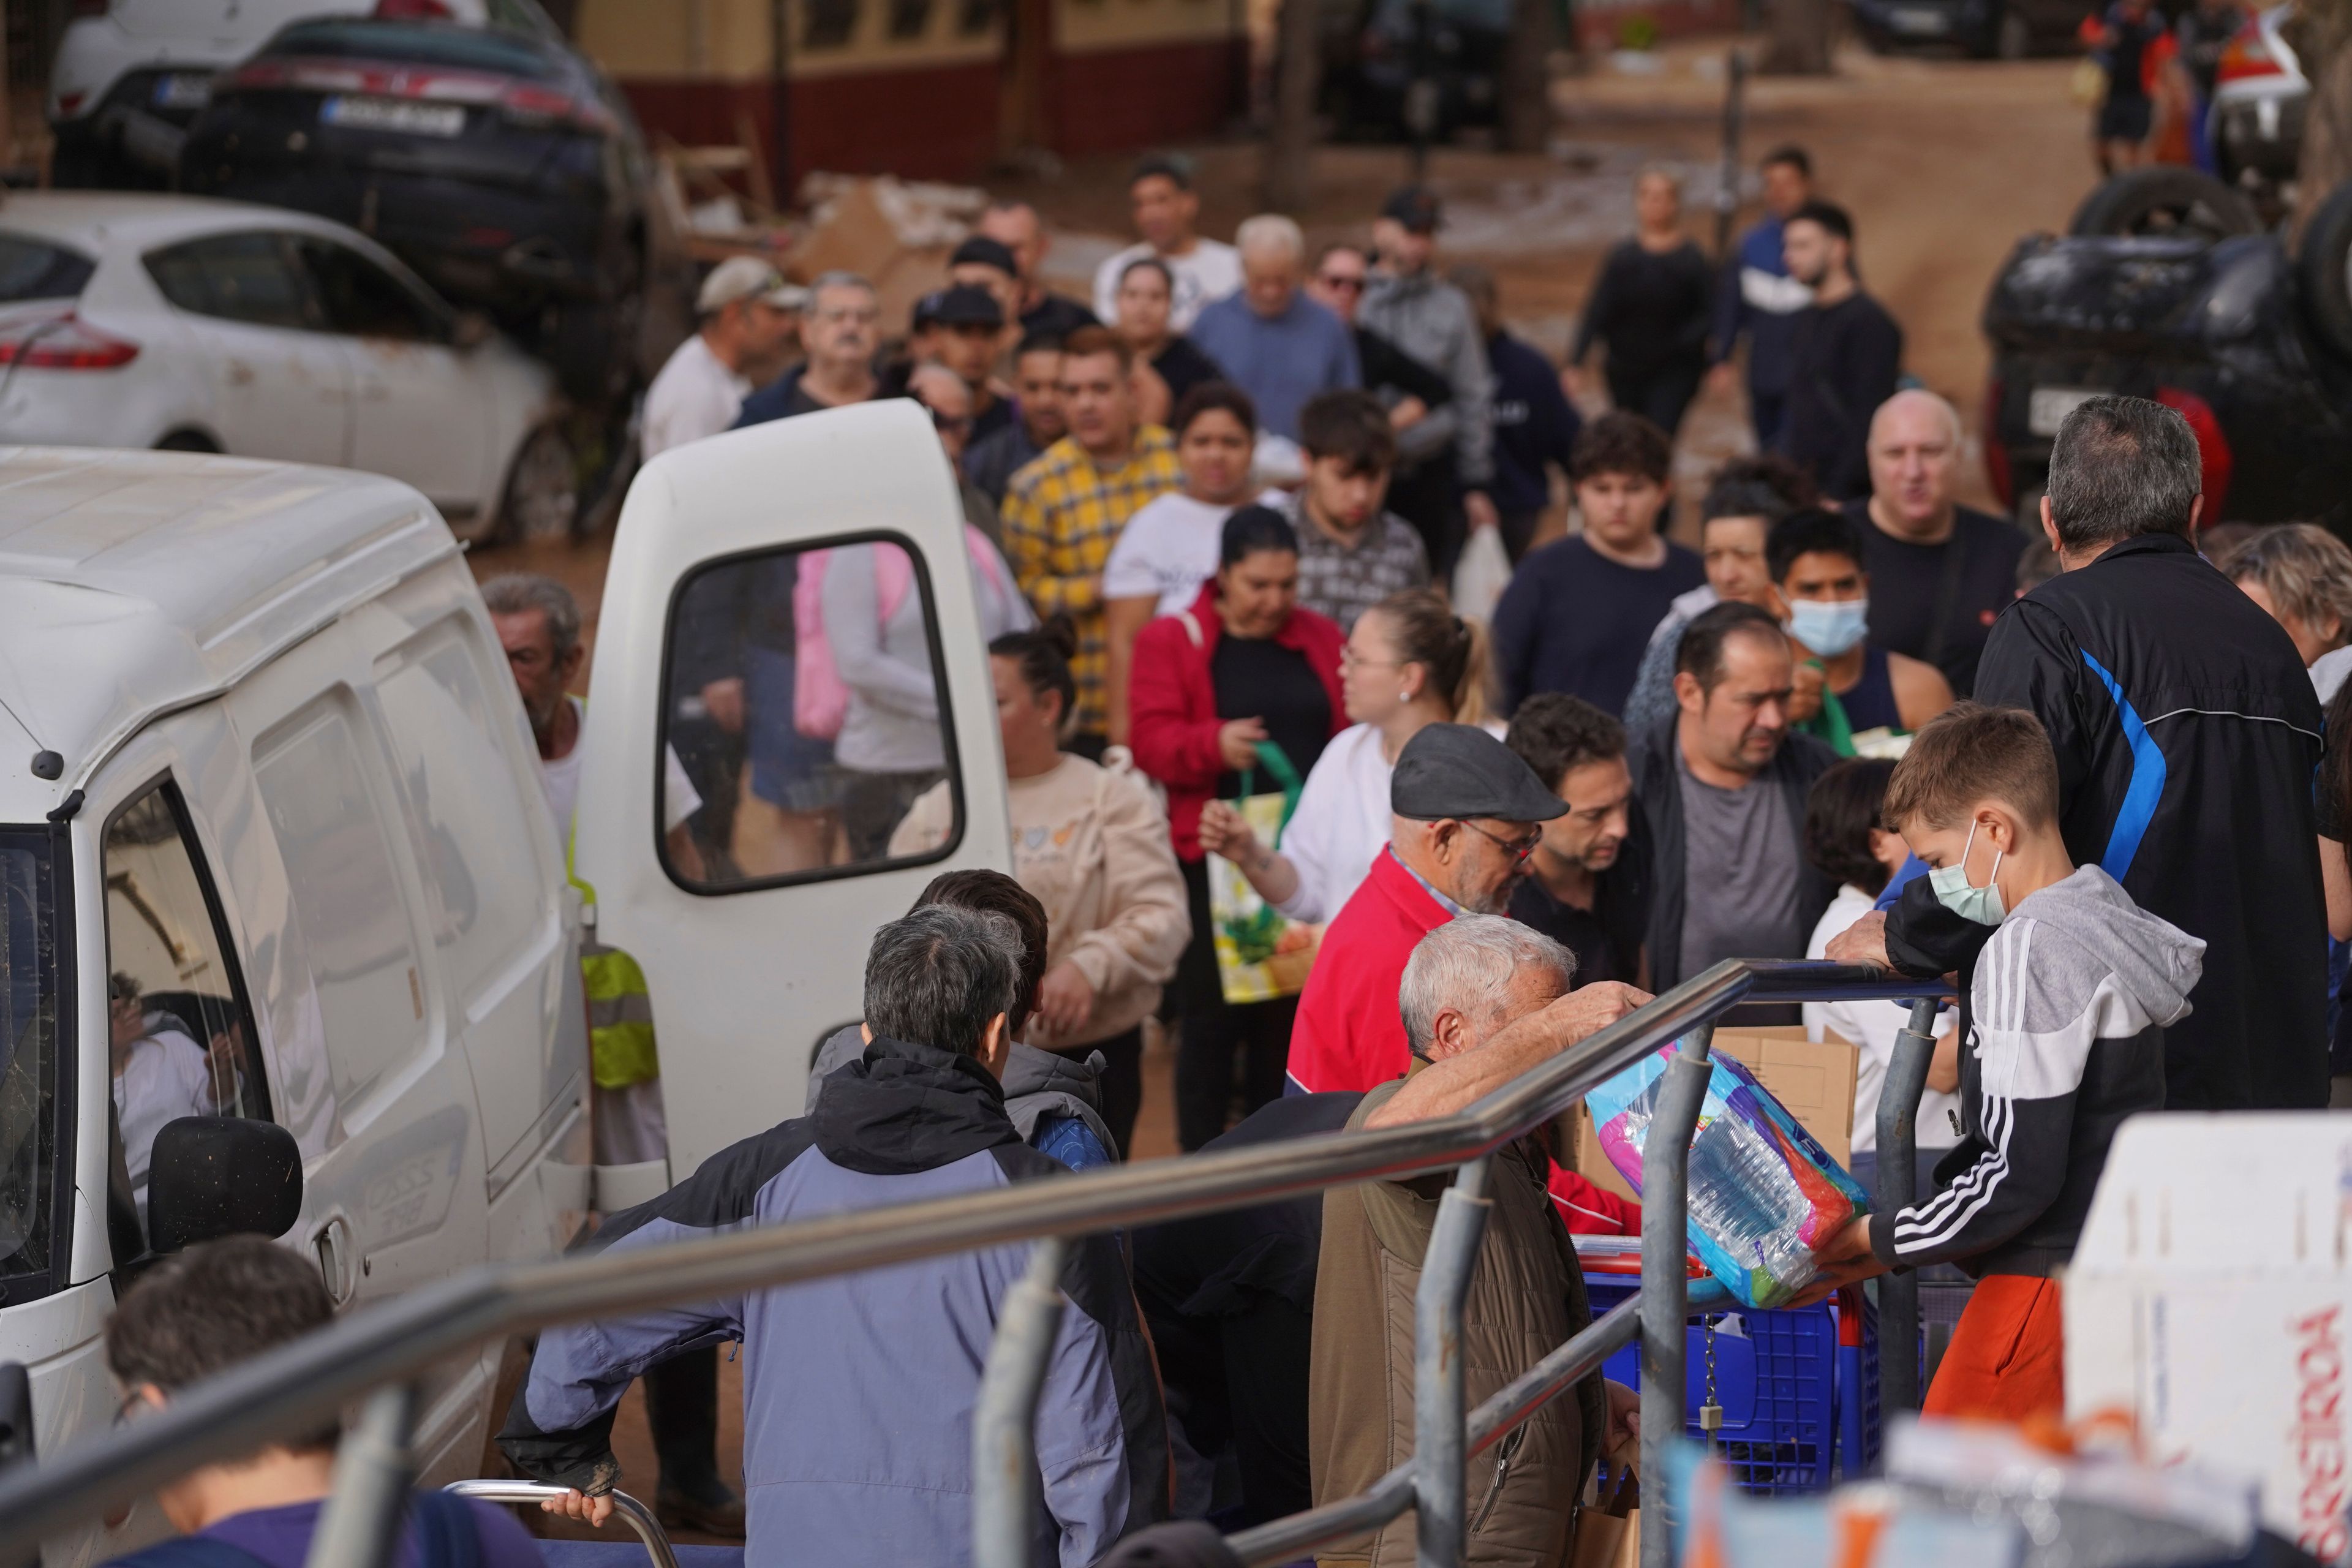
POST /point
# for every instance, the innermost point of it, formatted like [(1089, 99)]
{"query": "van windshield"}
[(28, 1057)]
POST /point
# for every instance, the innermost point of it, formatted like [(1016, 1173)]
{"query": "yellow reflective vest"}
[(620, 1003)]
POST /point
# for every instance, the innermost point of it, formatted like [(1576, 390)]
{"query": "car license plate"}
[(396, 114), (183, 90), (1921, 19), (2048, 406)]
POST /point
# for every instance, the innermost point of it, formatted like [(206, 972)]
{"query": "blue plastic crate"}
[(1797, 1402)]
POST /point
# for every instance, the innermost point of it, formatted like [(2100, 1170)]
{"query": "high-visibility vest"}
[(620, 1003)]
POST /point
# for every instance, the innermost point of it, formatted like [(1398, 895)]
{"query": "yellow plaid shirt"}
[(1062, 515)]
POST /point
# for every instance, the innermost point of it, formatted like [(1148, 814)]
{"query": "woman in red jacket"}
[(1245, 665)]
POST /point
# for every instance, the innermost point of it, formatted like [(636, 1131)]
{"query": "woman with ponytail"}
[(1408, 663)]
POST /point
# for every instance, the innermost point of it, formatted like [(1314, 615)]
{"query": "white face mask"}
[(1983, 905), (1829, 626)]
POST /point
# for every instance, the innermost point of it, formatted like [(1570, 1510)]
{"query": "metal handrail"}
[(631, 1512), (293, 1388)]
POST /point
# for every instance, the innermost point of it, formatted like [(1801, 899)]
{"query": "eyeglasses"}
[(1519, 849), (1350, 659), (959, 424), (1354, 285)]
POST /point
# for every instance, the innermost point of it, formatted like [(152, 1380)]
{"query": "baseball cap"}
[(1412, 207), (986, 252), (1460, 771), (964, 305), (745, 278)]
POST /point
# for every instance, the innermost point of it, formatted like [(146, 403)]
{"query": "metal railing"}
[(380, 1353)]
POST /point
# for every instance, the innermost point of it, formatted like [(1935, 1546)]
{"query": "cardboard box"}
[(2211, 1300), (1814, 1079)]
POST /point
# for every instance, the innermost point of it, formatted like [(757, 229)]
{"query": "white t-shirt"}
[(695, 395), (1169, 547), (679, 798), (1342, 823), (1209, 271), (1872, 1025), (166, 1076), (2327, 673)]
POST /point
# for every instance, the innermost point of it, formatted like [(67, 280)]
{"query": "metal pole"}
[(373, 1469), (1441, 1522), (1004, 1425), (1666, 1288), (1898, 1146), (1727, 185)]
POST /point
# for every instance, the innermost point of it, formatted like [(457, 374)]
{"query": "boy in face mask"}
[(2067, 1008), (1815, 560)]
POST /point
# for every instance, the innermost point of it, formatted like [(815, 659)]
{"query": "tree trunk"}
[(2322, 38), (1298, 71), (1800, 43), (1526, 78)]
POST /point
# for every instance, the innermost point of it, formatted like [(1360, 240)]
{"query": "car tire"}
[(2164, 200), (188, 441), (2325, 264), (542, 499)]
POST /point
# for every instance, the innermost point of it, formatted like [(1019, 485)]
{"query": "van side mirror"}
[(212, 1176), (471, 330)]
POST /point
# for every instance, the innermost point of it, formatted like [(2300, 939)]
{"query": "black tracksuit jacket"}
[(2187, 735)]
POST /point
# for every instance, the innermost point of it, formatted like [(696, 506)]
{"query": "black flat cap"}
[(1460, 771), (987, 252), (1412, 207), (965, 305)]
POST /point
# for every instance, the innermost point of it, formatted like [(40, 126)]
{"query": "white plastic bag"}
[(1482, 574)]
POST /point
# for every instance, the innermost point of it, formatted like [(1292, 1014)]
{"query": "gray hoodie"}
[(1432, 321), (2067, 1011)]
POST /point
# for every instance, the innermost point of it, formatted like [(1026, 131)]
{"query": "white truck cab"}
[(274, 846)]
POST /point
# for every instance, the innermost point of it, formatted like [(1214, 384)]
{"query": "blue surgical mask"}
[(1950, 883), (1829, 626)]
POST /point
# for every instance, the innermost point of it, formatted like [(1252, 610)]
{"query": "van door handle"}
[(332, 1242)]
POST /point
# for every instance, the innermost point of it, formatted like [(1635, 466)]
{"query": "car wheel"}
[(2327, 267), (2013, 39), (2164, 200), (543, 493), (188, 441)]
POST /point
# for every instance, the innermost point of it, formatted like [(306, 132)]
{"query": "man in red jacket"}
[(1467, 811), (1466, 815)]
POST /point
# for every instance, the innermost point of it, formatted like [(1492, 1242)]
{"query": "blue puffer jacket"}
[(858, 1391)]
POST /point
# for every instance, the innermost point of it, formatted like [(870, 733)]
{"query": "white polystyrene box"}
[(2211, 1299)]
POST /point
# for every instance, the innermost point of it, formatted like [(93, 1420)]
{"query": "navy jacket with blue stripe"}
[(2187, 735)]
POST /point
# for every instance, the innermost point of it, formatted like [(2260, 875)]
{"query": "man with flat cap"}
[(1465, 814)]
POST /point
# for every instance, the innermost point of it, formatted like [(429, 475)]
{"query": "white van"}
[(274, 848)]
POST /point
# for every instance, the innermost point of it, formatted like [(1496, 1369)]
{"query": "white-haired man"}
[(1238, 1292), (1939, 571), (1276, 343), (1485, 1000)]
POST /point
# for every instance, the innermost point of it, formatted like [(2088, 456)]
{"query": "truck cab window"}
[(179, 1035), (805, 708)]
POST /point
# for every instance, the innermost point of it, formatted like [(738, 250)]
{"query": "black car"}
[(2007, 29), (1392, 67), (2253, 344), (496, 162)]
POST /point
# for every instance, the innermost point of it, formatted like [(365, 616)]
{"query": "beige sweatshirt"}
[(1092, 843)]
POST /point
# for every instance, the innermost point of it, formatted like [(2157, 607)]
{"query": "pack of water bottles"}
[(1764, 1194)]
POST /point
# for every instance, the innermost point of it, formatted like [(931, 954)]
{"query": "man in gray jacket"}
[(1453, 448), (859, 1389)]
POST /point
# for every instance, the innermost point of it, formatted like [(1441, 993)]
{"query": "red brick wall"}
[(1116, 100), (938, 122)]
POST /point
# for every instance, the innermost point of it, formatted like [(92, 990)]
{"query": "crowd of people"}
[(1210, 524)]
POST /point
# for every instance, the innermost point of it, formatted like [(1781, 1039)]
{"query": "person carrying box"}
[(2068, 1004)]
